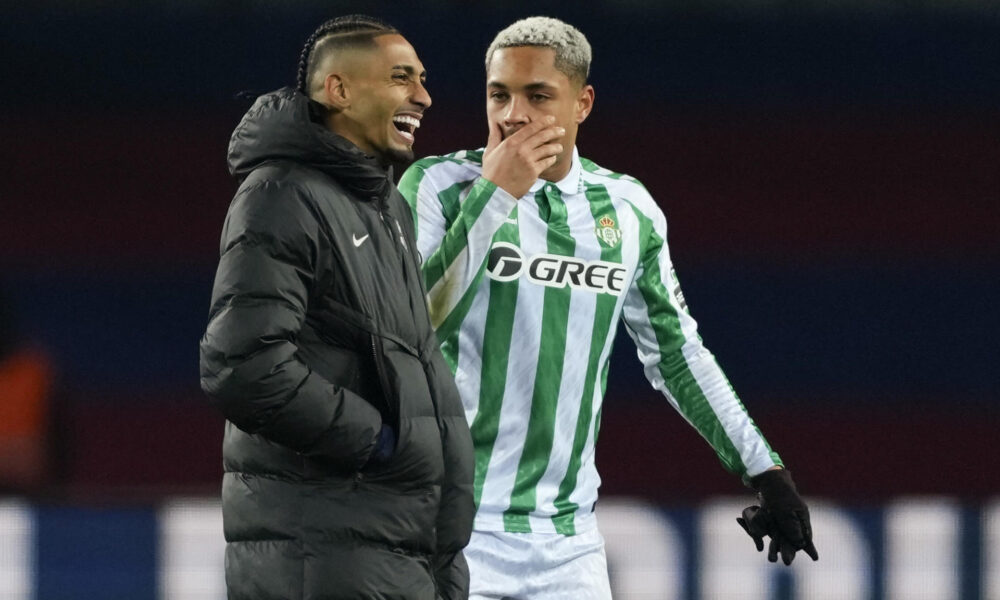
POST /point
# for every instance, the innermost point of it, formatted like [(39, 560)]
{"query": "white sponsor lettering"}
[(507, 263)]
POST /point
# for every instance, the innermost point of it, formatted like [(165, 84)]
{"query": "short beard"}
[(395, 157)]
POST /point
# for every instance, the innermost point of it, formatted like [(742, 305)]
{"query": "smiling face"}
[(523, 85), (378, 98)]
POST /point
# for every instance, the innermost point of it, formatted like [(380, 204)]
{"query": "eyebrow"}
[(531, 87), (410, 70)]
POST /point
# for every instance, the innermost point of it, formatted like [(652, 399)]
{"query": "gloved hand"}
[(781, 515), (385, 446)]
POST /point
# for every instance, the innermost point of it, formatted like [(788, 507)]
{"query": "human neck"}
[(558, 171)]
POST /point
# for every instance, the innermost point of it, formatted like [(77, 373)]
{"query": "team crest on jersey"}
[(608, 232)]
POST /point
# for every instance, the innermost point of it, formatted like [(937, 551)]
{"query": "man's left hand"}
[(781, 515)]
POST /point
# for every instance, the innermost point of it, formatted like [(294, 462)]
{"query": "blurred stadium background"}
[(831, 175)]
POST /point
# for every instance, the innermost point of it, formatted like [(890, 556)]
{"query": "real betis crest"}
[(607, 231)]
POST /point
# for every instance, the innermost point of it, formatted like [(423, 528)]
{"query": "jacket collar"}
[(285, 125)]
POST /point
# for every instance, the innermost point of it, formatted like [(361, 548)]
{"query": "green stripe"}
[(453, 322), (449, 198), (475, 156), (409, 183), (497, 334), (449, 349), (673, 367), (413, 177), (604, 391), (592, 167), (430, 161), (448, 329), (548, 375), (456, 240), (604, 317)]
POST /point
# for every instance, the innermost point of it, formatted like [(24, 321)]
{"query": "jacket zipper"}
[(401, 253), (383, 382), (381, 217)]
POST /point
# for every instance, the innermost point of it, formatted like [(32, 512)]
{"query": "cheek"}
[(570, 116)]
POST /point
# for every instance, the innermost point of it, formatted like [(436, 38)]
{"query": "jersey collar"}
[(570, 184)]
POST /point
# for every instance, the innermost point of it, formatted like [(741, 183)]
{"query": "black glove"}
[(385, 446), (782, 515)]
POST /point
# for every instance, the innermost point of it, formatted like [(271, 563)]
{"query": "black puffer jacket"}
[(318, 334)]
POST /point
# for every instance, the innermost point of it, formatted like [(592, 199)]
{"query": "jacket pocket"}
[(419, 456), (339, 346)]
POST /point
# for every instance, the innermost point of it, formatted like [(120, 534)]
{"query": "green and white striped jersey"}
[(526, 295)]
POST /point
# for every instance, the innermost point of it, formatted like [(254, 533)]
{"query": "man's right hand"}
[(515, 163)]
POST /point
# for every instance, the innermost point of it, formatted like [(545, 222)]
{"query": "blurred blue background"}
[(830, 174)]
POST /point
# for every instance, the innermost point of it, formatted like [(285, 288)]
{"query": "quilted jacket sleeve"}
[(249, 364)]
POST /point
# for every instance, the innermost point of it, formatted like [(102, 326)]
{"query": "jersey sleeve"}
[(456, 217), (678, 364)]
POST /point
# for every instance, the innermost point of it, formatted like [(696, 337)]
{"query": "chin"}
[(555, 168), (398, 155)]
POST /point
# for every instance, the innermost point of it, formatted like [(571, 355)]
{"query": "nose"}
[(517, 113), (421, 97)]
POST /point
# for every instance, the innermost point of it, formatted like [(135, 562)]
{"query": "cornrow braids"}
[(363, 29)]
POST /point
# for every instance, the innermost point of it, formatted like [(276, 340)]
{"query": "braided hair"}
[(350, 30)]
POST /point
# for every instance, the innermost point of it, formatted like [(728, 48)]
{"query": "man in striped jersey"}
[(531, 255)]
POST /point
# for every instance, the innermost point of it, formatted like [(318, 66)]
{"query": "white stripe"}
[(192, 550), (469, 368), (17, 551)]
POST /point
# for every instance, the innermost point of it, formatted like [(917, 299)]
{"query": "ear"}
[(584, 103), (336, 92)]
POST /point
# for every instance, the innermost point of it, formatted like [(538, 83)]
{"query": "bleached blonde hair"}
[(572, 49)]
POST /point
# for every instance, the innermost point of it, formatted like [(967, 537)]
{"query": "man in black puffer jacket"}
[(348, 461)]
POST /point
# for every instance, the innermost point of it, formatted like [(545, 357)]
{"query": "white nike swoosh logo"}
[(359, 240), (511, 221)]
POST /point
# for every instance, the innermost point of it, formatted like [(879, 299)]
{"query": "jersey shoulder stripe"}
[(596, 170), (468, 158), (626, 188), (439, 173)]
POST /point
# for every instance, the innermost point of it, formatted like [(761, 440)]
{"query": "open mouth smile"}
[(406, 125)]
